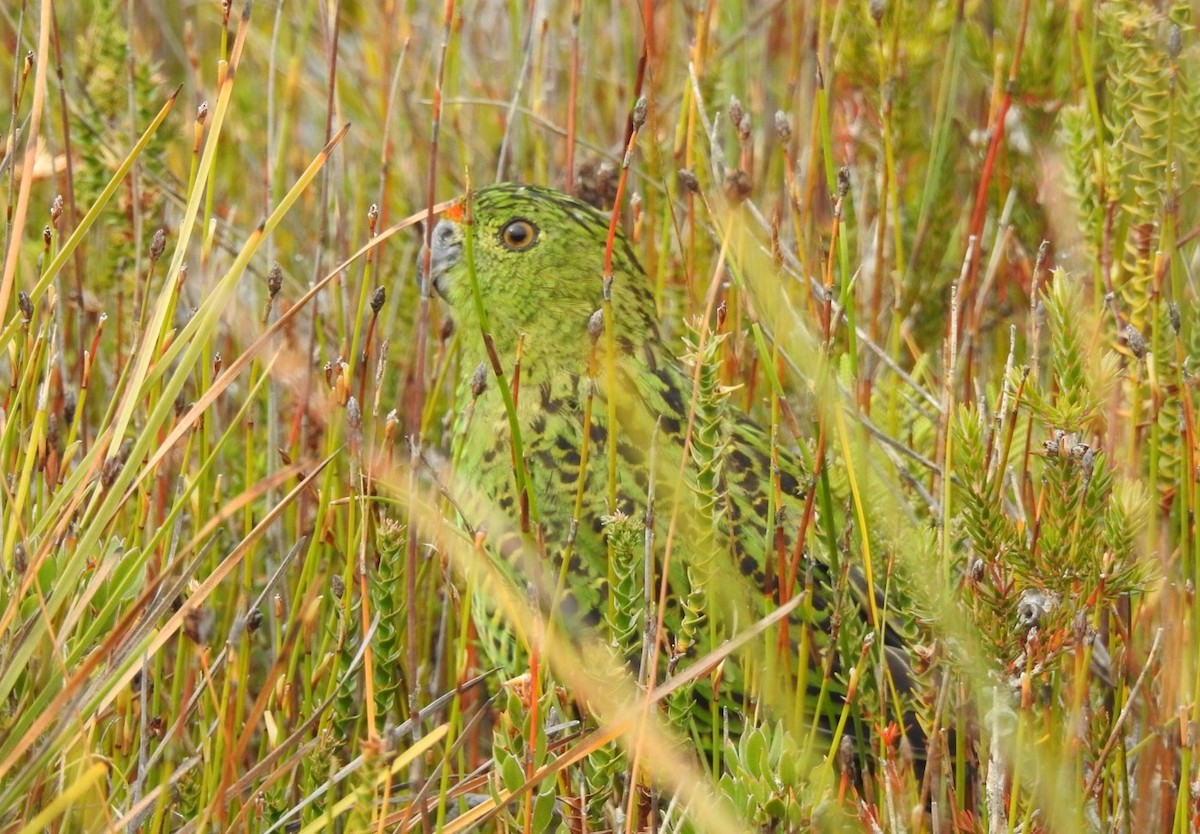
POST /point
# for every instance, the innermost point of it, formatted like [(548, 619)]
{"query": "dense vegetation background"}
[(957, 246)]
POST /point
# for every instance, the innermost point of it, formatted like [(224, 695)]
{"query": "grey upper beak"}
[(445, 248)]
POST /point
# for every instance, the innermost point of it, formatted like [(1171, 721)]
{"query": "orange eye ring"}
[(518, 234)]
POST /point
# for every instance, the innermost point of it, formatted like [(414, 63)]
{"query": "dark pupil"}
[(517, 233)]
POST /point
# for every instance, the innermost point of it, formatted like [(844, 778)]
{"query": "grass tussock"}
[(945, 252)]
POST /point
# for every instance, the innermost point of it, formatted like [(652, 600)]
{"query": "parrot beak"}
[(445, 248)]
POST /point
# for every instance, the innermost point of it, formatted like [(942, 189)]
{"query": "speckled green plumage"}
[(538, 259)]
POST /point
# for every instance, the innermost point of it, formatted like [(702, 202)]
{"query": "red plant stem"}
[(980, 210)]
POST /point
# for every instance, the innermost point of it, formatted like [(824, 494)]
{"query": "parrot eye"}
[(518, 235)]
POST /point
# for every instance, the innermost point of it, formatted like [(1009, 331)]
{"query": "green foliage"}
[(766, 779), (1031, 589), (385, 581), (347, 604), (626, 613), (1081, 375), (1145, 147), (118, 96), (519, 747), (709, 442)]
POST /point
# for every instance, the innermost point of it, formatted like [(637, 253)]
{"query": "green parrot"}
[(534, 309)]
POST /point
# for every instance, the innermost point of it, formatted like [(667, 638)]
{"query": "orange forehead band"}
[(455, 213)]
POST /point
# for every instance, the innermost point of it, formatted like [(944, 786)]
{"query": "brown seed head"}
[(783, 127), (688, 180), (737, 186), (479, 380), (639, 113), (274, 279), (736, 113), (596, 325), (157, 244), (1135, 341)]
